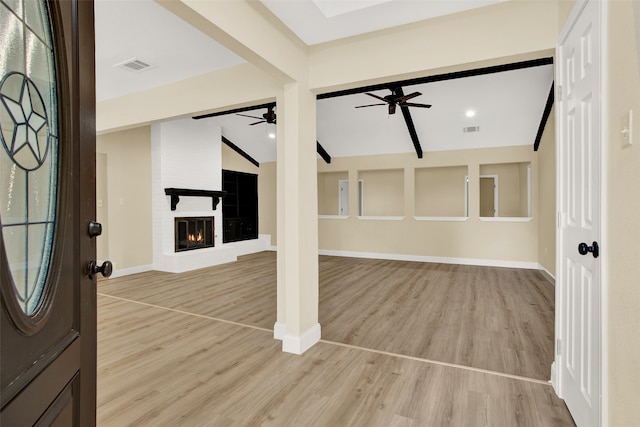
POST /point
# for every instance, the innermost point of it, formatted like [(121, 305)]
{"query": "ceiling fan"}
[(397, 97), (268, 117)]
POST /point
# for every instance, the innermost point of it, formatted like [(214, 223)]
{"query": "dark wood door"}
[(47, 200)]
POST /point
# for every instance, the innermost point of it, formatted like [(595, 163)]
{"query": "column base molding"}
[(279, 330), (298, 344)]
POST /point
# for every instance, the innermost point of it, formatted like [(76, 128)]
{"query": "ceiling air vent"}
[(468, 129), (133, 64)]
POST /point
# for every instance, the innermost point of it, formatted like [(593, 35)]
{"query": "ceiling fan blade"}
[(408, 97), (411, 104), (392, 108), (246, 115), (376, 96), (370, 105), (257, 123)]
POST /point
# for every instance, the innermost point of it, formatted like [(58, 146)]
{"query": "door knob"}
[(95, 229), (105, 269), (584, 249)]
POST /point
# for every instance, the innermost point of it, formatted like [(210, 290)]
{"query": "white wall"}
[(185, 153)]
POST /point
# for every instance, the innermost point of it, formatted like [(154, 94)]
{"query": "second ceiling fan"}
[(397, 98), (268, 117)]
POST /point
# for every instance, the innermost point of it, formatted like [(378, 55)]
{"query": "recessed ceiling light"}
[(272, 135), (470, 113)]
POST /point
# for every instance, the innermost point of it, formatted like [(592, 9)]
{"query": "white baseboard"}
[(252, 246), (441, 260), (186, 261), (554, 379), (119, 272), (279, 329), (298, 344), (181, 262), (550, 277)]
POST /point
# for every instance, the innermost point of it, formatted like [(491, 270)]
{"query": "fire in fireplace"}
[(194, 233)]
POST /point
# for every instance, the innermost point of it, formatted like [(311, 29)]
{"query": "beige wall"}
[(128, 172), (102, 206), (239, 86), (456, 239), (547, 196), (382, 192), (512, 188), (329, 192), (621, 223), (450, 41), (440, 191), (266, 188)]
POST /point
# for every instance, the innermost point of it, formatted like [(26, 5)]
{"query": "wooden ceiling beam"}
[(323, 153), (240, 151), (545, 117), (410, 126)]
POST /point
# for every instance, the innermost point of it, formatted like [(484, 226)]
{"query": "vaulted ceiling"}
[(507, 104)]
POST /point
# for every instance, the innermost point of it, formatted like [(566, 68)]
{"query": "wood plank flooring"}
[(162, 367), (496, 319)]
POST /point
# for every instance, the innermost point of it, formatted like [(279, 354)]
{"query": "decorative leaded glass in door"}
[(29, 152)]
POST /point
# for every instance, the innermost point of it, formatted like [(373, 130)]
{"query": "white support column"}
[(297, 220)]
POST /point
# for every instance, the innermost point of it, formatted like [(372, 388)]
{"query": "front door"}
[(47, 200), (578, 291)]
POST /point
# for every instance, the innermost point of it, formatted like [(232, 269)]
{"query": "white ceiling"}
[(319, 21), (508, 113), (509, 105), (145, 30)]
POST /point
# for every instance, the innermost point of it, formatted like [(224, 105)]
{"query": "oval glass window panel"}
[(29, 147)]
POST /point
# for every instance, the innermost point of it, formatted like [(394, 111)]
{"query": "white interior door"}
[(578, 292), (343, 201)]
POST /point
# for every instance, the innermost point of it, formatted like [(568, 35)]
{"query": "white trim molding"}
[(131, 270), (279, 330), (298, 344), (547, 275), (333, 216), (442, 218), (381, 218), (506, 218), (434, 259), (554, 378)]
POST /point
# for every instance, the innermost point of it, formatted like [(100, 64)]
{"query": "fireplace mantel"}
[(175, 194)]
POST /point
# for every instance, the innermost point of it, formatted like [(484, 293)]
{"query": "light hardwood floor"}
[(196, 349), (497, 319)]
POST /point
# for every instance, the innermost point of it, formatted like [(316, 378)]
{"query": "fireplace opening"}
[(194, 233)]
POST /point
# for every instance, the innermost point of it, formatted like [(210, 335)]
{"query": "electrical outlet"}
[(627, 129)]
